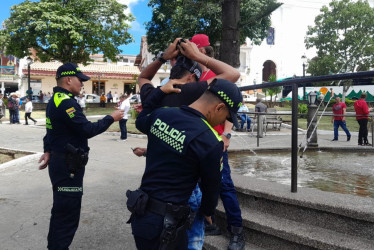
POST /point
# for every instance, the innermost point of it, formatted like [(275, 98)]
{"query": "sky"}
[(138, 8)]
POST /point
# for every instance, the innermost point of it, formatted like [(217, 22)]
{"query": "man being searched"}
[(187, 72), (66, 152), (182, 148)]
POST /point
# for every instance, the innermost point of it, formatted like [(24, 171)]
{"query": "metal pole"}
[(304, 90), (28, 82), (294, 139), (98, 91), (372, 131), (258, 130)]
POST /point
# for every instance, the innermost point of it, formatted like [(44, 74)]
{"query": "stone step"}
[(220, 242), (270, 231), (344, 214)]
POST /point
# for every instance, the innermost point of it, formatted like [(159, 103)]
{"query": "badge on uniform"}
[(70, 112)]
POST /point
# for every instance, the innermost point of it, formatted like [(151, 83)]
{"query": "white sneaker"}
[(120, 140)]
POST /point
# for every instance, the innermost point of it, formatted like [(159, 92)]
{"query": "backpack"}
[(11, 104)]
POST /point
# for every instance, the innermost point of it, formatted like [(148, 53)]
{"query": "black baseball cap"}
[(189, 65), (71, 69), (230, 94)]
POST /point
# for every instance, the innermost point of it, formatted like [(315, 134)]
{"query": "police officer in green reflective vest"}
[(182, 148), (66, 152)]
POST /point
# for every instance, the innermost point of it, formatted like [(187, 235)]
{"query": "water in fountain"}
[(241, 137), (325, 170)]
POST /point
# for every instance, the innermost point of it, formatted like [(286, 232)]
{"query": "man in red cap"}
[(202, 43), (228, 192)]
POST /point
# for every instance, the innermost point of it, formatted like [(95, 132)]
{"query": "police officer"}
[(182, 147), (66, 152)]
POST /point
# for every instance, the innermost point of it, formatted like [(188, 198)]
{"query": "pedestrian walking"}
[(28, 111), (339, 109), (125, 106)]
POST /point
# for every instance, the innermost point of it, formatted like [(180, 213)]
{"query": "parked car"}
[(35, 98), (92, 98), (135, 98)]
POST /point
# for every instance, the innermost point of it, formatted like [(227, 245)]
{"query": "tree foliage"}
[(274, 91), (343, 37), (66, 30), (185, 18)]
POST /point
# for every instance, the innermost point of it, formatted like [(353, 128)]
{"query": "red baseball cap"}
[(200, 40)]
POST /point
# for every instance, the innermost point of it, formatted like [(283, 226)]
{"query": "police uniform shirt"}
[(190, 92), (182, 147), (66, 123)]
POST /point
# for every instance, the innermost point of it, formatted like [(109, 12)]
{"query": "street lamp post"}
[(312, 120), (304, 60), (29, 62)]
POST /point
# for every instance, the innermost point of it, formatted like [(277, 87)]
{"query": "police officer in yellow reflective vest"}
[(182, 147), (66, 152)]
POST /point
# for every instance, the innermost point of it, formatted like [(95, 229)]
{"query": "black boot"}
[(212, 229), (237, 239)]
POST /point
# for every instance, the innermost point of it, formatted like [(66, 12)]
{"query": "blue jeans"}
[(342, 124), (122, 126), (244, 118), (228, 196), (196, 232)]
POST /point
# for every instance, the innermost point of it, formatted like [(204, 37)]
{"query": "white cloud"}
[(129, 4), (135, 25)]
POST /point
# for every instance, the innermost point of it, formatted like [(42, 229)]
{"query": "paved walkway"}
[(26, 197)]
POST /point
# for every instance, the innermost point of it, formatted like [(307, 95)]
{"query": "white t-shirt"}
[(82, 102), (28, 107), (125, 106)]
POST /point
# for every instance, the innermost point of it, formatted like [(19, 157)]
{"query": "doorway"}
[(268, 69), (98, 87)]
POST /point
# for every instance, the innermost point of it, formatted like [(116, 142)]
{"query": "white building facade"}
[(281, 54)]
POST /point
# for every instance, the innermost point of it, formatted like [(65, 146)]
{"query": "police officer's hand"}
[(209, 219), (139, 151), (170, 87), (45, 159), (117, 114), (171, 51)]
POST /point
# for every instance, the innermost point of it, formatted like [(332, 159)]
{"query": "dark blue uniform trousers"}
[(123, 128), (228, 196), (64, 221), (147, 230), (66, 207)]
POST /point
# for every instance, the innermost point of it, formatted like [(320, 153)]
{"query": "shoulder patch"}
[(59, 97), (70, 112)]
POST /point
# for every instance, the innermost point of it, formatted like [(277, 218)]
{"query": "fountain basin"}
[(326, 169)]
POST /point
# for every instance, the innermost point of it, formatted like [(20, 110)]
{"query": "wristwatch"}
[(160, 57), (228, 135)]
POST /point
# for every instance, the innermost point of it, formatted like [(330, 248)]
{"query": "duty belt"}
[(159, 207)]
